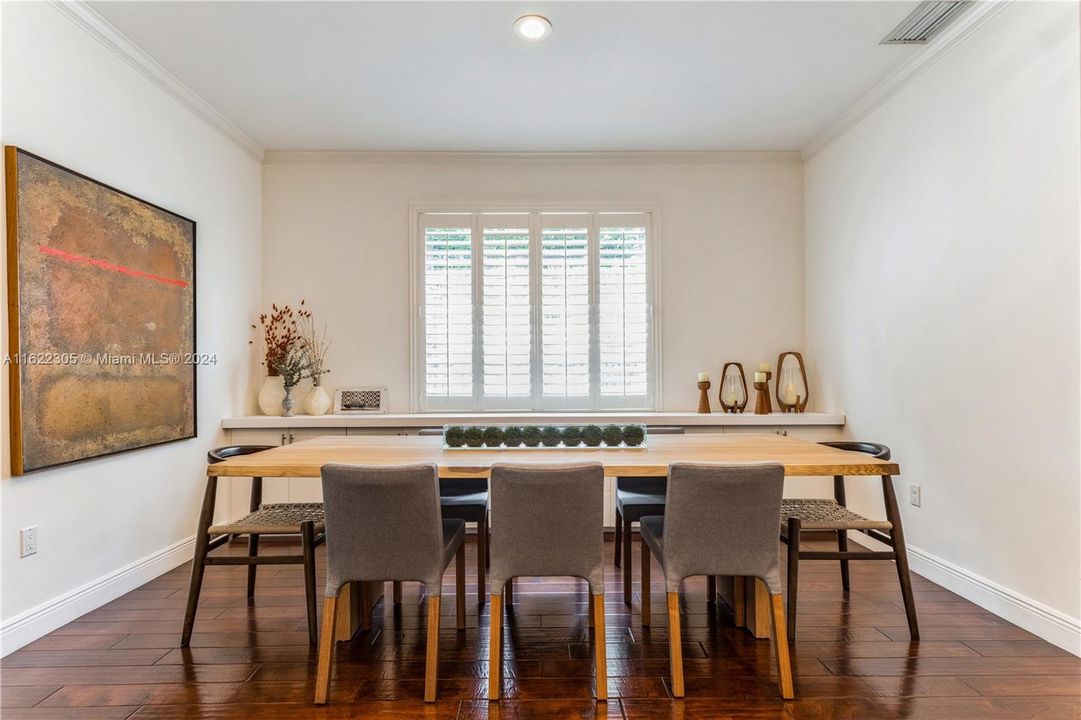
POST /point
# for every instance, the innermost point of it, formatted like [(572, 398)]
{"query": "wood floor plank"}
[(252, 659)]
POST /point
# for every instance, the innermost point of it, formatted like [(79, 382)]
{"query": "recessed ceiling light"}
[(533, 27)]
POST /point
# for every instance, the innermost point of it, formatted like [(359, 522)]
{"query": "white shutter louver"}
[(623, 285), (505, 323), (565, 311), (448, 312)]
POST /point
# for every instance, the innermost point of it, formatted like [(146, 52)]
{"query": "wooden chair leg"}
[(900, 550), (627, 590), (646, 559), (488, 541), (508, 593), (365, 606), (739, 600), (198, 563), (600, 643), (307, 545), (326, 650), (793, 573), (482, 559), (589, 610), (495, 648), (780, 647), (459, 586), (397, 590), (842, 546), (675, 645), (619, 536), (431, 653), (253, 551), (711, 589)]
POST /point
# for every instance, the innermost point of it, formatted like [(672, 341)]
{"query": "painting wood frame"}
[(121, 411)]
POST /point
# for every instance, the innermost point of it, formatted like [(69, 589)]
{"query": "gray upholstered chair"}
[(719, 520), (384, 523), (549, 521), (637, 497)]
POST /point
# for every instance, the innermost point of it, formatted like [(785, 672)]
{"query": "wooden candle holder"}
[(734, 407), (801, 402), (762, 405), (703, 398)]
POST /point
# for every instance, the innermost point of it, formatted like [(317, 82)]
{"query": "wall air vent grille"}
[(927, 20)]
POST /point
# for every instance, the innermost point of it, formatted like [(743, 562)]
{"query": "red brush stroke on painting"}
[(72, 257)]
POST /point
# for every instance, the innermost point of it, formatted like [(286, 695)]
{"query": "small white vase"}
[(271, 395), (318, 401)]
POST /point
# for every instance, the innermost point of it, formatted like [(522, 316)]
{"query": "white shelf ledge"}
[(413, 420)]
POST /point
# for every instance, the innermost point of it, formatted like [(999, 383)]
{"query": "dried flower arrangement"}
[(279, 334), (315, 343)]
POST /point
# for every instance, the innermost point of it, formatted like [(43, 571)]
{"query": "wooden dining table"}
[(305, 459)]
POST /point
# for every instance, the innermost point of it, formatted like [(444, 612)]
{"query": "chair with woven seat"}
[(303, 519), (637, 497), (464, 499), (719, 520), (384, 523), (807, 514), (549, 522)]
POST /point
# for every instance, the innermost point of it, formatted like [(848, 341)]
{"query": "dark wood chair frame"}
[(204, 544), (895, 538)]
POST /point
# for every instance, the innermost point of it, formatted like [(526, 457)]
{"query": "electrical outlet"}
[(915, 495), (28, 541)]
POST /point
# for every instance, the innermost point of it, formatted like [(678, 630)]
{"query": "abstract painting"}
[(101, 318)]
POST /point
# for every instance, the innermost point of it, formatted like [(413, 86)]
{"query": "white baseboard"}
[(46, 617), (1052, 625)]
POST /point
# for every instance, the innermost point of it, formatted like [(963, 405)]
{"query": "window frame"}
[(593, 402)]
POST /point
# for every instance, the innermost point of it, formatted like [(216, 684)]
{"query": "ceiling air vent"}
[(926, 21)]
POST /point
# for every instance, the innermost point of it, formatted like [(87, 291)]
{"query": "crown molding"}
[(101, 30), (969, 21), (365, 157)]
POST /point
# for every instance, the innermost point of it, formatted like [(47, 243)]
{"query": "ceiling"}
[(613, 76)]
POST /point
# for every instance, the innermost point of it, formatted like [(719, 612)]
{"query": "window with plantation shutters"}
[(535, 311)]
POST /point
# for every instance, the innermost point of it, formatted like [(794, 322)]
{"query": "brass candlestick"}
[(762, 405), (703, 398)]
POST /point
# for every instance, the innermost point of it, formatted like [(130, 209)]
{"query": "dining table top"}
[(307, 457)]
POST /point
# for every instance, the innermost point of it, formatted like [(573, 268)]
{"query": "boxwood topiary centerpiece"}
[(613, 435), (592, 435), (572, 436), (633, 435), (493, 436), (531, 436), (512, 436), (454, 436), (551, 436), (474, 437)]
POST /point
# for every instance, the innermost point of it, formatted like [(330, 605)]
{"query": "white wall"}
[(942, 306), (336, 233), (71, 100)]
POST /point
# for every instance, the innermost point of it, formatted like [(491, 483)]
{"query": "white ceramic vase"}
[(318, 401), (271, 395)]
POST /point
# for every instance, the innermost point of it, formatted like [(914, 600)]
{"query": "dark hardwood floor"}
[(852, 658)]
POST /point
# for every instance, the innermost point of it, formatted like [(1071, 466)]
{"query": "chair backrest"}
[(877, 450), (723, 520), (548, 520), (383, 523), (224, 453), (653, 485)]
